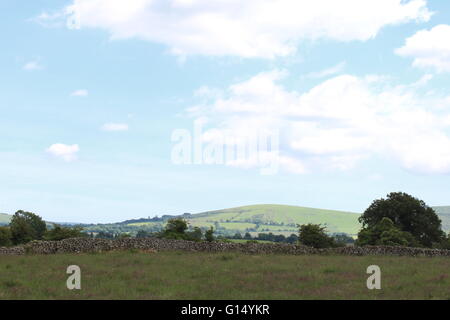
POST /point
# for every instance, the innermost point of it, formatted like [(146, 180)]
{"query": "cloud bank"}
[(338, 123), (251, 28), (429, 48)]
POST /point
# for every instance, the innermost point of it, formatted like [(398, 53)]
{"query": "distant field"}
[(444, 214), (182, 275), (278, 218), (4, 218), (140, 224)]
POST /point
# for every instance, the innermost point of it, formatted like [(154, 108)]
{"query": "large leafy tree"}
[(408, 214), (26, 226), (385, 233)]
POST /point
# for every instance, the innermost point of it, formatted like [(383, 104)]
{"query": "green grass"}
[(182, 275)]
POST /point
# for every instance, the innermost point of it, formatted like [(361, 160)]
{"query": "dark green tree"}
[(342, 239), (104, 235), (26, 226), (445, 244), (293, 238), (385, 233), (209, 234), (314, 235), (123, 236), (237, 235), (176, 225), (5, 237), (59, 233), (195, 235), (176, 229), (143, 234), (408, 214)]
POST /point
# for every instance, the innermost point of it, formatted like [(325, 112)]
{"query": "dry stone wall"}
[(84, 245)]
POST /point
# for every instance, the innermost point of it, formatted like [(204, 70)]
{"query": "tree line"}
[(27, 226), (397, 220)]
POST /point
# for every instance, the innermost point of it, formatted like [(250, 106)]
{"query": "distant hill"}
[(5, 218), (263, 218), (444, 213), (277, 219)]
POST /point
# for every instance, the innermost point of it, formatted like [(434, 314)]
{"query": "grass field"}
[(181, 275)]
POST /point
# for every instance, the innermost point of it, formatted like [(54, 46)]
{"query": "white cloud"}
[(32, 66), (251, 28), (48, 20), (327, 72), (80, 93), (115, 127), (338, 123), (64, 151), (429, 48), (207, 93)]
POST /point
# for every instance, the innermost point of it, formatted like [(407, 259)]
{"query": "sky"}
[(106, 103)]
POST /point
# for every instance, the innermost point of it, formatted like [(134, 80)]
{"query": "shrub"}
[(194, 235), (5, 237), (314, 235), (123, 236), (143, 234), (59, 233), (176, 225), (209, 234), (444, 244), (342, 239)]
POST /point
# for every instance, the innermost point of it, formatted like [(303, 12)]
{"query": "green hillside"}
[(276, 218), (264, 218), (444, 214), (5, 218)]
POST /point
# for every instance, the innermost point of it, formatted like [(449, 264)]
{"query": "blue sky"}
[(357, 93)]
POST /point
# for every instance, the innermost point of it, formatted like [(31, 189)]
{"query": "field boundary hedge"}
[(86, 245)]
